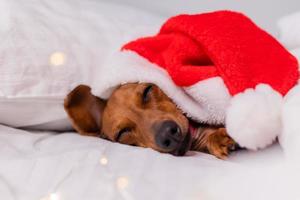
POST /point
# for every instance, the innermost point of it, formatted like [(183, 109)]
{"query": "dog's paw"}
[(220, 144)]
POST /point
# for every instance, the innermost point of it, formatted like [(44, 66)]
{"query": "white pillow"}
[(289, 33), (49, 47)]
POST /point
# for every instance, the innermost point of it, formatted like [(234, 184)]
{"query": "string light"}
[(52, 196), (122, 183), (103, 160), (57, 59)]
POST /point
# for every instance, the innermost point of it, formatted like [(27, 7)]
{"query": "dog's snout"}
[(168, 135)]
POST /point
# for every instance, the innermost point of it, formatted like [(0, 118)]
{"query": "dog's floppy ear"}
[(85, 110)]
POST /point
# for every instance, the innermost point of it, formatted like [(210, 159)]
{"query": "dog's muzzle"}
[(170, 139)]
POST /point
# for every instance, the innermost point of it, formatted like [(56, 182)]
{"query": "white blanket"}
[(68, 166), (289, 29)]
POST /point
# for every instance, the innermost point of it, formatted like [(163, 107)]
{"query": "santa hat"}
[(227, 68)]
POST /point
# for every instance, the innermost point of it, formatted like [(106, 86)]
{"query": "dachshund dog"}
[(141, 114)]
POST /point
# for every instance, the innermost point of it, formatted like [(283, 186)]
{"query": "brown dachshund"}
[(140, 114)]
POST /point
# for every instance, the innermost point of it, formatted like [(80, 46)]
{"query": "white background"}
[(264, 12)]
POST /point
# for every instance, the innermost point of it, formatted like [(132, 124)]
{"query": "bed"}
[(47, 165), (57, 164)]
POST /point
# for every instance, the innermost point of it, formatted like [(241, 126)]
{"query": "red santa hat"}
[(236, 71), (193, 48), (255, 68)]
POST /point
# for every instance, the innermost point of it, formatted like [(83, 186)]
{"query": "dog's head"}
[(137, 114)]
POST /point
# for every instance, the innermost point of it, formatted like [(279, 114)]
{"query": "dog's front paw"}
[(220, 143)]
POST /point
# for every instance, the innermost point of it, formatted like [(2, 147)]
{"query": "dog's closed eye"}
[(122, 132), (146, 94)]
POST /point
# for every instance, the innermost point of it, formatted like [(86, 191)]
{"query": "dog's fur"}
[(134, 115)]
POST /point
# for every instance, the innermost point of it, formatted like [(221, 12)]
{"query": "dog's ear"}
[(85, 110)]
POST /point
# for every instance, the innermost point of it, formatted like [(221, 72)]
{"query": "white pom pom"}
[(253, 118)]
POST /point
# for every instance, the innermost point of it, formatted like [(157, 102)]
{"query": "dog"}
[(141, 114)]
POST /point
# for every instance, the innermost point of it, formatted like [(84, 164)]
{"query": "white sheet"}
[(67, 166)]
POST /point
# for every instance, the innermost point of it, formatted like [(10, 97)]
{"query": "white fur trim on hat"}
[(253, 118), (213, 96), (129, 67)]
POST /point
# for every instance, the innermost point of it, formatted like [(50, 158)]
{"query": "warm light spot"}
[(122, 183), (52, 196), (57, 59), (103, 160)]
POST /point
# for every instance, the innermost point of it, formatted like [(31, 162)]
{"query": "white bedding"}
[(48, 47), (67, 166)]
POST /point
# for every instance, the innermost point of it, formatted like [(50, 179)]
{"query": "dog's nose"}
[(168, 135)]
